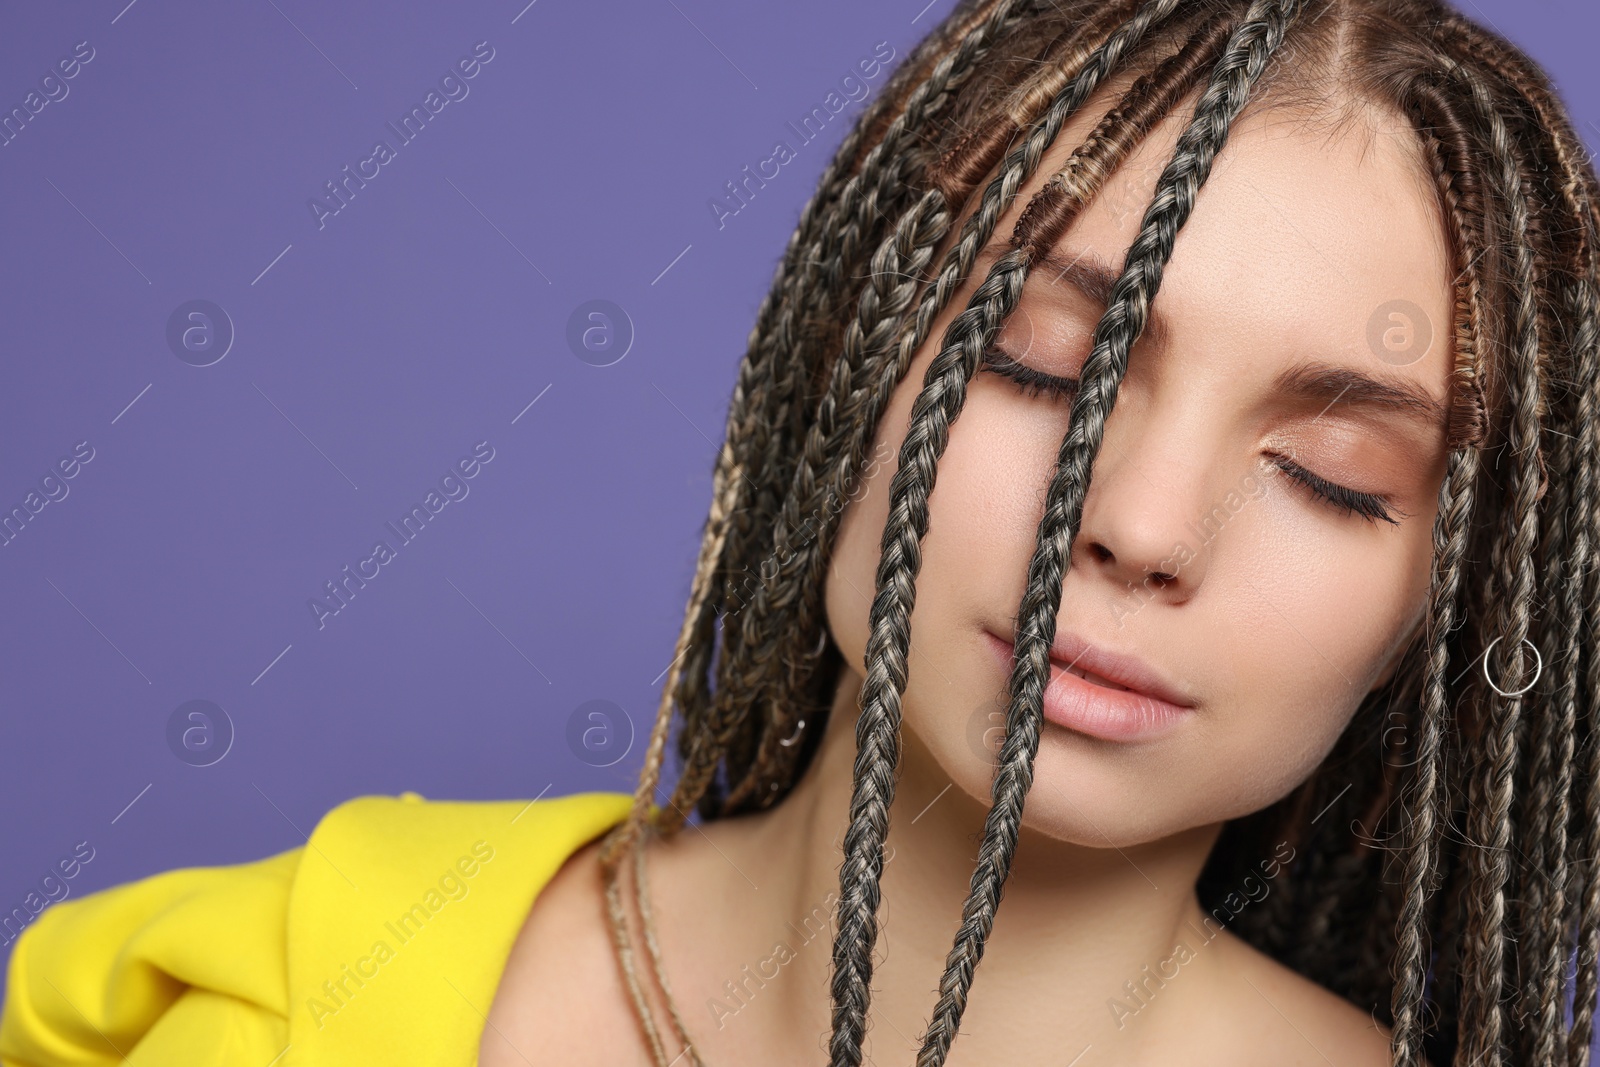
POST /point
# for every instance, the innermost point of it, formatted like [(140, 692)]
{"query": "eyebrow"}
[(1085, 272), (1316, 381), (1309, 382)]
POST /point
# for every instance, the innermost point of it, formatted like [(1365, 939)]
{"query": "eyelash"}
[(1371, 507), (1031, 382)]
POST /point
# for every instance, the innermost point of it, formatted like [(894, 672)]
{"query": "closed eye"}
[(1033, 382), (1030, 381), (1370, 506)]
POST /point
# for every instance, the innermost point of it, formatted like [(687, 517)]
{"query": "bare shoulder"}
[(562, 995), (1298, 1021)]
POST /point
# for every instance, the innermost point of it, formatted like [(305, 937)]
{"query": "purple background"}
[(370, 355)]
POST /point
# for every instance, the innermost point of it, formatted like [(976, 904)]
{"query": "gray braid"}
[(1249, 50), (877, 732), (1485, 975)]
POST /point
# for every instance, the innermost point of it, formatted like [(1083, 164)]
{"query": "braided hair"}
[(1464, 912)]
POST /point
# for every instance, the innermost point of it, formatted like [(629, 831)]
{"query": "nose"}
[(1144, 529)]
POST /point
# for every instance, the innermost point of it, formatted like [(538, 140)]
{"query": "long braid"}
[(877, 733), (896, 276), (1250, 48), (793, 296), (1577, 515), (1587, 840), (1411, 954), (1450, 157), (1485, 969), (1538, 874), (686, 679), (1570, 547), (621, 943), (619, 842), (1574, 452), (1585, 683), (876, 192), (750, 405), (1579, 453)]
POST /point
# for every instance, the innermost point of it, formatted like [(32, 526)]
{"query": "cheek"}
[(853, 565), (982, 518), (1291, 628), (847, 595), (1315, 610)]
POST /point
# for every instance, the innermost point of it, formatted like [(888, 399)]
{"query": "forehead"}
[(1309, 238)]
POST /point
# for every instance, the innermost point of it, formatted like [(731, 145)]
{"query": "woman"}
[(1298, 687)]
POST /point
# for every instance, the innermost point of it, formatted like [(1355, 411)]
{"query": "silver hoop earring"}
[(800, 728), (1538, 669)]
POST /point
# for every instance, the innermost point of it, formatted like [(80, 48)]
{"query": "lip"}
[(1148, 708)]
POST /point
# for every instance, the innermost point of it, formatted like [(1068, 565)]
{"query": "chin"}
[(1085, 792)]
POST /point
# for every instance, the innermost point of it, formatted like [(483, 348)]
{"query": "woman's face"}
[(1300, 335)]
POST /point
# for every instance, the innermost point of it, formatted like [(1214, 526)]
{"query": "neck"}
[(1085, 947)]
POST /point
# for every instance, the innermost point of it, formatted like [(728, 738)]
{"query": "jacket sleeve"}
[(184, 967)]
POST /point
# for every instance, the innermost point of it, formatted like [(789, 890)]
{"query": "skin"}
[(1276, 627)]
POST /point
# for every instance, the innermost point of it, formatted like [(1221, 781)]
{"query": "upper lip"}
[(1070, 650)]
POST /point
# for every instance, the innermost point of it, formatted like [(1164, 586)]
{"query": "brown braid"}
[(1551, 778), (1573, 477), (1446, 147), (1514, 568)]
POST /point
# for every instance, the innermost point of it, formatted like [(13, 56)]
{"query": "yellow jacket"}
[(381, 941)]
